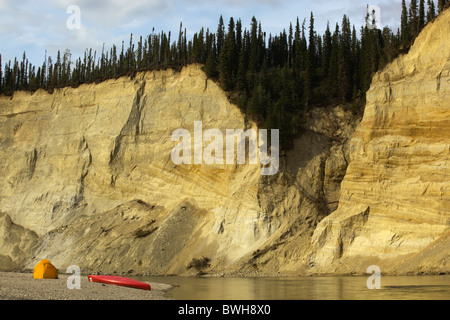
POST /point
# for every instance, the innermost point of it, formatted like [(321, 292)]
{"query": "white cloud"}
[(37, 25), (113, 13)]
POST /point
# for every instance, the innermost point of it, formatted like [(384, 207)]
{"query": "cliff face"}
[(83, 167), (395, 198), (87, 179)]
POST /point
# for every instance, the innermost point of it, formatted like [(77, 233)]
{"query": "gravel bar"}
[(22, 286)]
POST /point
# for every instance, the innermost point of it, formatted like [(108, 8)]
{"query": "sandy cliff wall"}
[(87, 178), (395, 198), (70, 157)]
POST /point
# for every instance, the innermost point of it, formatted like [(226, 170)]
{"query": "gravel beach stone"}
[(22, 286)]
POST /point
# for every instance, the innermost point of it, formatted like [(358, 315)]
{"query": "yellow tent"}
[(45, 270)]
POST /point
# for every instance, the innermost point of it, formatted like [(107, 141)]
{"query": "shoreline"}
[(22, 286)]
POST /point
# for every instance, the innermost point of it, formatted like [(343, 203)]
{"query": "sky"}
[(37, 26)]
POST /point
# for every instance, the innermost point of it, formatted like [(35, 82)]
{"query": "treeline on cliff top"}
[(274, 79)]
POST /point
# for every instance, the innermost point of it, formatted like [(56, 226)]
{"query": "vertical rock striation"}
[(395, 197)]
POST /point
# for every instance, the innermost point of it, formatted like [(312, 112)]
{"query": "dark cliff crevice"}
[(131, 129), (31, 162), (85, 163)]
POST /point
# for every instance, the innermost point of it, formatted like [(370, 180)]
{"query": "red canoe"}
[(120, 281)]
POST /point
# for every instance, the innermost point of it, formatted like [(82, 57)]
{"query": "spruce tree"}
[(405, 32), (228, 62), (441, 5), (326, 55), (254, 50), (356, 60), (297, 54), (139, 56), (421, 20), (210, 67), (51, 83), (333, 69), (65, 68), (220, 35), (31, 83), (238, 36), (259, 104), (38, 79), (344, 52), (312, 49), (241, 79), (198, 47), (290, 45), (310, 64), (22, 72), (413, 19), (44, 75), (8, 85), (129, 55), (285, 100), (369, 56), (180, 53), (58, 69), (431, 13)]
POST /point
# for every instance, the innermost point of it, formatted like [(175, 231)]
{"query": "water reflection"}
[(306, 288)]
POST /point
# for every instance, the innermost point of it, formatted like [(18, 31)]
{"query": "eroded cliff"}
[(394, 208), (87, 174), (87, 178)]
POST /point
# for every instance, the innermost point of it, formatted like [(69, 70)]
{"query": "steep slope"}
[(87, 178), (86, 151), (395, 197), (89, 172)]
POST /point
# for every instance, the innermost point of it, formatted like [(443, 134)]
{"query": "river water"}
[(306, 288)]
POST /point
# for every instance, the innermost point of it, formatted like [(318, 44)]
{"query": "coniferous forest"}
[(274, 79)]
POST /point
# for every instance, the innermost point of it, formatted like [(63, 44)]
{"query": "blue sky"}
[(37, 25)]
